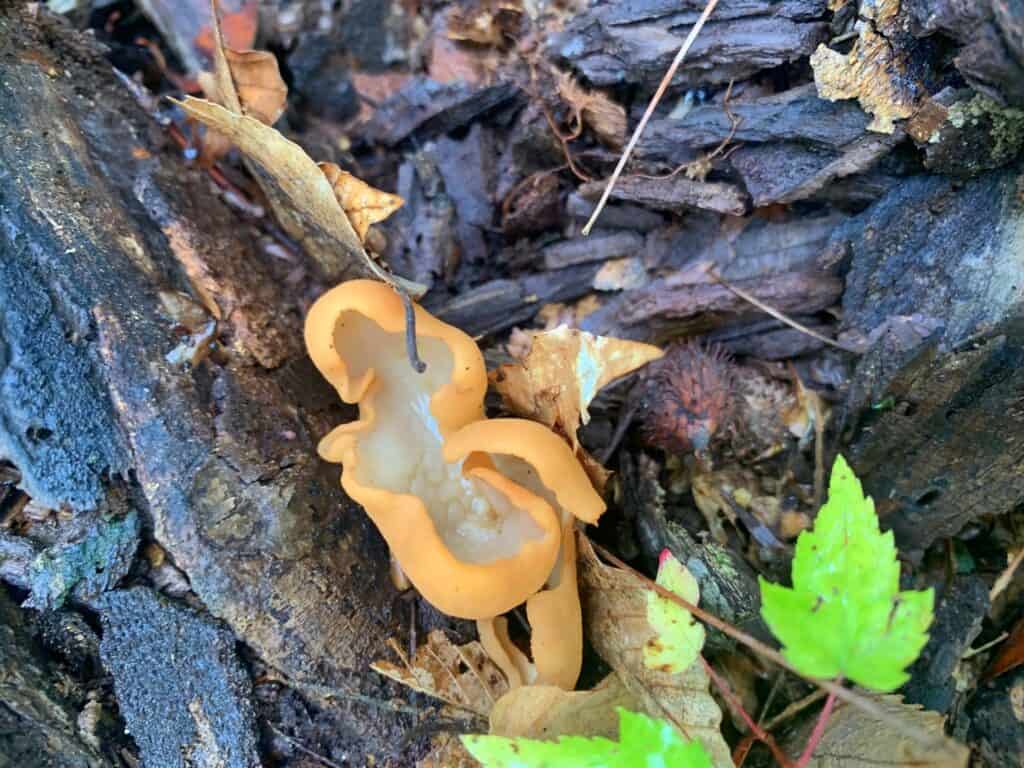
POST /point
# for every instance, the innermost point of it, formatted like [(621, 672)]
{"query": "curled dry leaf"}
[(304, 201), (873, 72), (247, 82), (605, 117), (461, 675), (557, 379), (854, 739), (257, 82), (364, 205), (614, 610)]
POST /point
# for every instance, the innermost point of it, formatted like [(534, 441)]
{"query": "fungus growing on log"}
[(478, 512)]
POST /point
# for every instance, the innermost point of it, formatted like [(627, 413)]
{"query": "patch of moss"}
[(1003, 125)]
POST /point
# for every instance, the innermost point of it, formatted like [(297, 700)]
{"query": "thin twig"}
[(777, 314), (794, 709), (982, 648), (818, 732), (410, 333), (662, 87), (626, 416), (1006, 576), (304, 750), (847, 695)]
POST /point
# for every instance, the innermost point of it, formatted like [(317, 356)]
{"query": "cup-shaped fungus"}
[(478, 512)]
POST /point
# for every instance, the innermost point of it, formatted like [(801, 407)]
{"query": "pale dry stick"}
[(794, 709), (848, 696), (982, 648), (777, 314), (662, 87), (1006, 576), (304, 750)]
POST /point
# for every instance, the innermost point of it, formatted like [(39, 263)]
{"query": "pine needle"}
[(662, 87)]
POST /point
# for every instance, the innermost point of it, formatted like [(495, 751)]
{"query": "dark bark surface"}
[(935, 286), (38, 725), (159, 417), (220, 454)]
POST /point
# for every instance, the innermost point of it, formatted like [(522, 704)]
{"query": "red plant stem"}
[(834, 689), (739, 754), (817, 733), (755, 729)]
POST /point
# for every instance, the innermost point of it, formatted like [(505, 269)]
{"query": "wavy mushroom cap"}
[(472, 509)]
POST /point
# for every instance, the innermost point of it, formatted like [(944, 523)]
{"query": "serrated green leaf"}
[(679, 638), (845, 614), (643, 741)]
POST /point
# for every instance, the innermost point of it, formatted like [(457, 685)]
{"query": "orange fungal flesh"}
[(477, 512)]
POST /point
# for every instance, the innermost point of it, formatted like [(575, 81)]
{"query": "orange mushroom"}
[(478, 512)]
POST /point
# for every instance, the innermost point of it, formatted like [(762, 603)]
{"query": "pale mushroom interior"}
[(401, 453)]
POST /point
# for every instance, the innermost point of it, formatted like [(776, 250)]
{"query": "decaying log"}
[(992, 31), (794, 115), (99, 224), (613, 42), (38, 726), (676, 194), (662, 310), (936, 408), (181, 687), (426, 108), (500, 304)]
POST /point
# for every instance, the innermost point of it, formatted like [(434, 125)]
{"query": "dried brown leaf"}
[(854, 739), (563, 371), (873, 72), (486, 22), (615, 613), (547, 712), (1011, 653), (461, 675), (304, 201), (257, 79), (364, 205), (245, 81), (605, 117)]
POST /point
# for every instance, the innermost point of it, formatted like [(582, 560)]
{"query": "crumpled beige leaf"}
[(873, 72), (605, 117), (614, 608), (563, 371), (254, 79), (462, 675), (246, 82), (854, 739), (304, 201), (547, 712), (365, 205)]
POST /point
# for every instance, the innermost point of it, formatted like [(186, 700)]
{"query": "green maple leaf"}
[(643, 741), (679, 638), (845, 614)]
